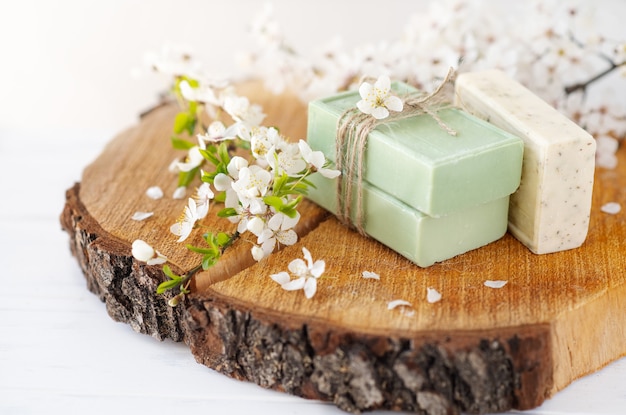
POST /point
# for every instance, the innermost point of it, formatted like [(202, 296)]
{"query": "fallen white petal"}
[(397, 303), (310, 287), (141, 215), (611, 208), (495, 284), (180, 192), (371, 275), (281, 278), (154, 192), (293, 285), (432, 295)]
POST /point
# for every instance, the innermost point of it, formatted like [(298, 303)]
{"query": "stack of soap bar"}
[(426, 194), (419, 163), (421, 238), (550, 211)]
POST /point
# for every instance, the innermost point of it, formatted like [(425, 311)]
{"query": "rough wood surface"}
[(479, 349)]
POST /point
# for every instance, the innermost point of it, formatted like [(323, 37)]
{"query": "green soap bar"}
[(422, 165), (421, 238)]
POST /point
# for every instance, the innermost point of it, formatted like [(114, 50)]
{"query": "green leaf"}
[(186, 177), (180, 144), (210, 156), (198, 250), (222, 239), (293, 203), (279, 204), (181, 122), (193, 106), (168, 271), (227, 212), (194, 83), (245, 145), (274, 201), (186, 121), (292, 213), (220, 197), (208, 262), (208, 177), (279, 183), (168, 285), (222, 152), (211, 240)]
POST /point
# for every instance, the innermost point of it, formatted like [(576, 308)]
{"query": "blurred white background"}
[(70, 63)]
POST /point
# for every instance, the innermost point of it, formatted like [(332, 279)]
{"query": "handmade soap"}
[(550, 210), (421, 238), (420, 163)]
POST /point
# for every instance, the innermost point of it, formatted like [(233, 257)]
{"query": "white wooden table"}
[(61, 353)]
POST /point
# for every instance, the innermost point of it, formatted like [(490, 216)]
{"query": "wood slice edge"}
[(429, 372), (126, 287)]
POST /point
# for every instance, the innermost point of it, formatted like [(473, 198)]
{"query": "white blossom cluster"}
[(252, 195), (550, 46)]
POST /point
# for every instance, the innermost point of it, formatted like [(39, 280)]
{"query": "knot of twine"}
[(353, 128)]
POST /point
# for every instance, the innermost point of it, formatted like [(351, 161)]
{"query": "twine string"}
[(353, 129)]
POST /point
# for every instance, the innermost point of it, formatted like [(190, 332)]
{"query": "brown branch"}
[(583, 85)]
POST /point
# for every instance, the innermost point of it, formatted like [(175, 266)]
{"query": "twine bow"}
[(353, 128)]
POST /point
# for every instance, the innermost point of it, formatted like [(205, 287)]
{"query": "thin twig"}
[(583, 85)]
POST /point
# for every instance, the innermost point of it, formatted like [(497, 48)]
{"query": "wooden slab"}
[(479, 349)]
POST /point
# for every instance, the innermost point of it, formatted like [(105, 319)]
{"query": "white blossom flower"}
[(223, 182), (217, 132), (377, 99), (203, 93), (187, 221), (194, 158), (203, 196), (288, 160), (173, 167), (173, 59), (262, 140), (256, 225), (251, 186), (306, 273), (278, 229), (317, 160), (242, 218), (143, 252), (240, 109)]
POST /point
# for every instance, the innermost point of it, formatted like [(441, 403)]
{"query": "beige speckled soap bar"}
[(550, 210)]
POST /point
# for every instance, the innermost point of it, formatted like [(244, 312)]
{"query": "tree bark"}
[(432, 373), (126, 287)]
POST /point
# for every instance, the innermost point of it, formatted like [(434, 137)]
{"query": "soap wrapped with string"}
[(422, 177)]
